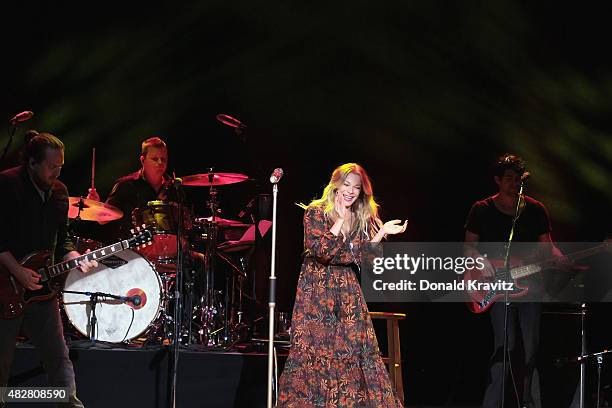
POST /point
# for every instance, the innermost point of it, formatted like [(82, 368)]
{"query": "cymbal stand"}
[(76, 221), (233, 324), (209, 309), (81, 207)]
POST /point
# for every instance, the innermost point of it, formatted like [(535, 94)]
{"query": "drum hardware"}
[(210, 310), (212, 313), (165, 217), (221, 222), (91, 210), (211, 331), (212, 179), (238, 126), (160, 331), (239, 330), (234, 284), (212, 316)]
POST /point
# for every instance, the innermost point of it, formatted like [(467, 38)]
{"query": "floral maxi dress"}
[(334, 359)]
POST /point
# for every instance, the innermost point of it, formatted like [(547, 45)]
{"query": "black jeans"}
[(41, 322), (527, 316)]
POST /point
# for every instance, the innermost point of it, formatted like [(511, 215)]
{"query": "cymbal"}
[(213, 179), (222, 222), (93, 210)]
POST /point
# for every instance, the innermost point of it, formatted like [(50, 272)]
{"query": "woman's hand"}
[(342, 211), (390, 228), (344, 216), (394, 227)]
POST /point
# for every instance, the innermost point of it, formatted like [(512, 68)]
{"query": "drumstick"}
[(93, 168)]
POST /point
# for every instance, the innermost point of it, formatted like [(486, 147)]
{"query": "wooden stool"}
[(394, 359)]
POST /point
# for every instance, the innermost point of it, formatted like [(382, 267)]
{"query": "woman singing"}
[(334, 359)]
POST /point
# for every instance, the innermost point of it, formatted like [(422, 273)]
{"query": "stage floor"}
[(119, 377)]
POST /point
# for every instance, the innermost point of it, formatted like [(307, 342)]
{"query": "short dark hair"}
[(152, 142), (509, 161), (37, 144)]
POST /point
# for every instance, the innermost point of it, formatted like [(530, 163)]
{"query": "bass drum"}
[(124, 274)]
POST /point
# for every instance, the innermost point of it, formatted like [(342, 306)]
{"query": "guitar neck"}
[(98, 254), (527, 270)]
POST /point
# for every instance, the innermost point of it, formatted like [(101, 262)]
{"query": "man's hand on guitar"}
[(27, 278), (488, 272), (85, 266), (563, 263)]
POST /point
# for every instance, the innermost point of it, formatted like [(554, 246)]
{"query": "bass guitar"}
[(484, 292)]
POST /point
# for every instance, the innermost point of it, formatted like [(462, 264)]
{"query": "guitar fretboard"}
[(97, 254), (523, 271)]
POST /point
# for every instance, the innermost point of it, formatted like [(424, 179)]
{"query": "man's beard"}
[(44, 185)]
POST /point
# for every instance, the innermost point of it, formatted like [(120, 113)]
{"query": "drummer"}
[(135, 190)]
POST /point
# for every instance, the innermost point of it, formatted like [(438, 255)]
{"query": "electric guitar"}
[(14, 297), (485, 292)]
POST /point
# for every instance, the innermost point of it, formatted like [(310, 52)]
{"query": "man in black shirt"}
[(33, 217), (149, 183), (490, 221)]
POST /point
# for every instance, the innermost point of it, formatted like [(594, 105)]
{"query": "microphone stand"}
[(8, 143), (177, 297), (506, 294), (599, 358), (93, 301), (583, 353), (272, 301)]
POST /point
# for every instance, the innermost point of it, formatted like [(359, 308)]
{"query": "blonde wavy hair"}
[(365, 207)]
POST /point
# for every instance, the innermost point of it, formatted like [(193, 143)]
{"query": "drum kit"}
[(214, 265)]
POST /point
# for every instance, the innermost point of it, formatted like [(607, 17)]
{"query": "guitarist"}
[(33, 217), (490, 220)]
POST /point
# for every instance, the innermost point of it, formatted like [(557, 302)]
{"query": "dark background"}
[(425, 95)]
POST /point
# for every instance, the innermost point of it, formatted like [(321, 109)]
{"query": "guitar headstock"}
[(141, 236)]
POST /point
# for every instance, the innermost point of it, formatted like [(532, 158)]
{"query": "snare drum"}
[(124, 274), (163, 216)]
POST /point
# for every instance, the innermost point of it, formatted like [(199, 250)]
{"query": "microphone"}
[(277, 174), (230, 121), (21, 117), (172, 181), (136, 300)]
